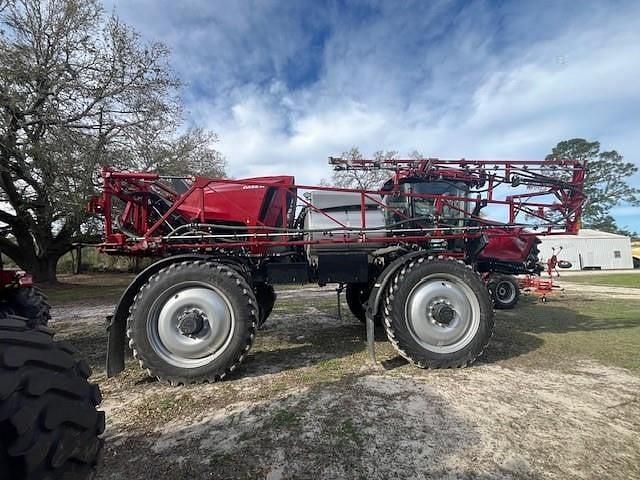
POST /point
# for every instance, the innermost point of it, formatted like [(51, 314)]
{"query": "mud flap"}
[(375, 298), (371, 344)]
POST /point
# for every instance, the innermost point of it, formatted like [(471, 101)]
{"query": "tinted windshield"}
[(424, 208)]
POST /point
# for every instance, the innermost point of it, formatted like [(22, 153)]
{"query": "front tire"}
[(438, 313), (49, 424), (193, 321), (505, 291)]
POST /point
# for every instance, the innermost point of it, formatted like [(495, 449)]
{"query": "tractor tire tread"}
[(49, 424)]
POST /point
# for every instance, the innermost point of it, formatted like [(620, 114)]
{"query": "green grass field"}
[(613, 279), (568, 329)]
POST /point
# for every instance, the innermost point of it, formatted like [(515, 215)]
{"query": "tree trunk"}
[(44, 270), (42, 267)]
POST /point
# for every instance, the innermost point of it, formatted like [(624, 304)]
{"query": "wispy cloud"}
[(285, 84)]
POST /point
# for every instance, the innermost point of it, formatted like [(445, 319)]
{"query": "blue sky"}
[(286, 84)]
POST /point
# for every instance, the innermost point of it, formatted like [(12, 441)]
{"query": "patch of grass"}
[(272, 390), (563, 330), (349, 431), (75, 288), (289, 307), (296, 306), (612, 279), (285, 419), (330, 365), (166, 406)]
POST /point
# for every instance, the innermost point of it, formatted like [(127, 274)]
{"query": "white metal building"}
[(590, 248)]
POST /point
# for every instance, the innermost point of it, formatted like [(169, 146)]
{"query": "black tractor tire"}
[(505, 291), (432, 301), (29, 302), (49, 424), (266, 297), (357, 295), (218, 345)]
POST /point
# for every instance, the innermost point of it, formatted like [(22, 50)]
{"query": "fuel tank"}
[(338, 209)]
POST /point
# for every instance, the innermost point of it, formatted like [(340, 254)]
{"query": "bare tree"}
[(371, 179), (79, 90)]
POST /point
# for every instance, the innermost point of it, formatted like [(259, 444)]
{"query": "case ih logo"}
[(247, 187)]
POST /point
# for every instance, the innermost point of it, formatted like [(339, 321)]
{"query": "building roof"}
[(588, 233)]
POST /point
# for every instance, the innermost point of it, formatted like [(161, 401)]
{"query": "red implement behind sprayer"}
[(415, 256)]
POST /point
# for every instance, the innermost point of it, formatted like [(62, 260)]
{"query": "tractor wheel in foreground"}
[(266, 297), (31, 303), (438, 313), (357, 295), (505, 291), (49, 425), (192, 322)]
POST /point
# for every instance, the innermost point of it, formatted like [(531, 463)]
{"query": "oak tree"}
[(79, 90)]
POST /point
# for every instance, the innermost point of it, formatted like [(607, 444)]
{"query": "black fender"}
[(377, 292), (117, 323)]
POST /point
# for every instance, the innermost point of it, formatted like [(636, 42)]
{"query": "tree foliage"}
[(79, 90), (362, 179), (606, 183)]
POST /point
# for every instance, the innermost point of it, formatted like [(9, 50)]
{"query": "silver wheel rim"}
[(199, 348), (442, 291), (505, 292)]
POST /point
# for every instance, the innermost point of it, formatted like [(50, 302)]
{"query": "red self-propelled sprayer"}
[(415, 256)]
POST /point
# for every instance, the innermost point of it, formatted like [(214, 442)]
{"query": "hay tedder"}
[(543, 286), (419, 257)]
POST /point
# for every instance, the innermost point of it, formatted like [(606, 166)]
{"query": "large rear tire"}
[(49, 424), (438, 313), (505, 291), (357, 295), (192, 322)]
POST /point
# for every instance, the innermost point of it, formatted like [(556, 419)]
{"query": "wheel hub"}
[(505, 292), (442, 313), (192, 322), (190, 325)]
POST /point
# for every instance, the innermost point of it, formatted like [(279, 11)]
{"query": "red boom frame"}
[(550, 204)]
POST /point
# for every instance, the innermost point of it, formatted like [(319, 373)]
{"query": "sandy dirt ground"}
[(306, 404)]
